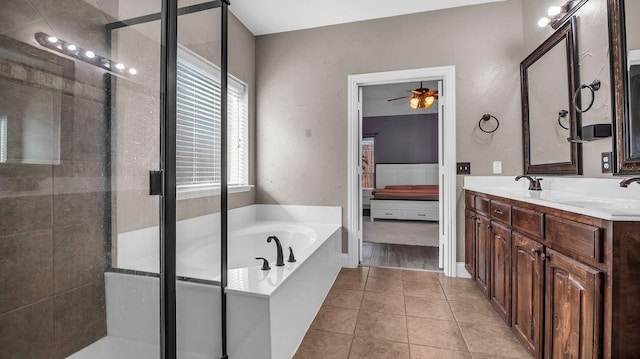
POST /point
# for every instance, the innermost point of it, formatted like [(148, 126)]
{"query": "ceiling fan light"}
[(428, 101), (414, 103)]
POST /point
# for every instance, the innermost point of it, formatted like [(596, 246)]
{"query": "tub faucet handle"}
[(265, 263), (292, 258)]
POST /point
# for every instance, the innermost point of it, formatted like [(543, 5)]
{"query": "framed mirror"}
[(549, 77), (624, 44)]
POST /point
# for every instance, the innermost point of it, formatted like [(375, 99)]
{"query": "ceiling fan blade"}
[(397, 98)]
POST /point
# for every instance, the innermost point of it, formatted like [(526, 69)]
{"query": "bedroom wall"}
[(302, 94), (404, 139)]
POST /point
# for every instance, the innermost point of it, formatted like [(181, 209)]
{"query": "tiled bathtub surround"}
[(392, 313)]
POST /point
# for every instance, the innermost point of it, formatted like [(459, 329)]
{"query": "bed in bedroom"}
[(406, 192)]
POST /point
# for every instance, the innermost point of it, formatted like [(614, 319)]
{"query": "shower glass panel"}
[(79, 133), (198, 180)]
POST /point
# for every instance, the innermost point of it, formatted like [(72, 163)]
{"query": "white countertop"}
[(600, 198)]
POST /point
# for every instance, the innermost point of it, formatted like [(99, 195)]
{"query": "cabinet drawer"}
[(527, 222), (501, 212), (422, 215), (469, 200), (482, 205), (581, 239), (381, 213)]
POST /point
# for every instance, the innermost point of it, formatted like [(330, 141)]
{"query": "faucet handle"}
[(265, 263), (535, 185), (292, 258)]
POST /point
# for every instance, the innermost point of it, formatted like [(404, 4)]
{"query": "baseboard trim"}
[(461, 271), (344, 260)]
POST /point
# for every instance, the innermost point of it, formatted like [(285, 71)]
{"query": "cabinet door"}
[(483, 254), (501, 270), (573, 308), (470, 242), (527, 292)]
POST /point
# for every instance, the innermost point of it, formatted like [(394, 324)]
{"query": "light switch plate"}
[(497, 167), (463, 168)]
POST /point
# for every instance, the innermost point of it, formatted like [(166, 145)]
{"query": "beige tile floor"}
[(393, 313)]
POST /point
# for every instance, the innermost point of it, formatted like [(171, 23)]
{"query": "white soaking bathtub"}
[(268, 312), (200, 258)]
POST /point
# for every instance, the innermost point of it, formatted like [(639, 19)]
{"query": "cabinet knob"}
[(498, 212)]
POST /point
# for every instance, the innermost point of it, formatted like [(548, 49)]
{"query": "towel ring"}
[(593, 87), (562, 114), (485, 118)]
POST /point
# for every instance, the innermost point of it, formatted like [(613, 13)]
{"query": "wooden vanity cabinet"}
[(470, 243), (483, 254), (566, 283), (527, 298), (573, 307), (501, 270)]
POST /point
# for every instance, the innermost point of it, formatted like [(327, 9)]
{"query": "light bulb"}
[(52, 39), (414, 103), (89, 54), (428, 101), (554, 11), (120, 66), (133, 71), (544, 22), (72, 47)]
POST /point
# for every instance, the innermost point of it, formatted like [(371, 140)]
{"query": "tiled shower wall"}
[(53, 223)]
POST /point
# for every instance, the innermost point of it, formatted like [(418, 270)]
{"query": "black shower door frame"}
[(168, 80)]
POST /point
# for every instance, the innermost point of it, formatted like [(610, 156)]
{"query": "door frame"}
[(447, 155)]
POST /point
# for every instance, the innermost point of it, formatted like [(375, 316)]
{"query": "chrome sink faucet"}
[(627, 181), (280, 259), (534, 183)]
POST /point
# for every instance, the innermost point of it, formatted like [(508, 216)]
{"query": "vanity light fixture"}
[(71, 50), (556, 15)]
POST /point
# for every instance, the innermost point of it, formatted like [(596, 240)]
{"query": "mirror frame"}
[(565, 32), (620, 105)]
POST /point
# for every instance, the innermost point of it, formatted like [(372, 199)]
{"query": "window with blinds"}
[(198, 125)]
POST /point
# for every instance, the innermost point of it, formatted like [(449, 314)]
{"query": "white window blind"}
[(198, 125)]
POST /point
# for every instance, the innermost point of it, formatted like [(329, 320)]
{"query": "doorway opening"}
[(442, 172), (400, 175)]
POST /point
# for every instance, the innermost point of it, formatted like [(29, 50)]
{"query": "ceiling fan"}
[(420, 98)]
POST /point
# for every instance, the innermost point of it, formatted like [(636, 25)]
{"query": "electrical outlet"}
[(606, 162), (497, 167), (464, 168)]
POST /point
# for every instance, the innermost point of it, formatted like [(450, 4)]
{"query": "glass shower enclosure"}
[(112, 121)]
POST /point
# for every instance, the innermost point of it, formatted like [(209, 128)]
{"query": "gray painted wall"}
[(404, 139), (302, 94)]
